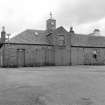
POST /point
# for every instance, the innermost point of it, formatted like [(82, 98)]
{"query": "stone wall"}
[(14, 55), (77, 56), (29, 55), (34, 55), (90, 59), (62, 56), (86, 56)]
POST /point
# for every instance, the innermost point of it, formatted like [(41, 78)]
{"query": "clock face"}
[(52, 23)]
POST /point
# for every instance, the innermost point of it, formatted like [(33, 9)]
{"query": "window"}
[(20, 50), (95, 54), (61, 40)]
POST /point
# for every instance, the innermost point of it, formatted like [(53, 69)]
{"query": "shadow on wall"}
[(29, 65)]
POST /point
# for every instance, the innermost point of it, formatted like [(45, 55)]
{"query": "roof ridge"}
[(35, 30)]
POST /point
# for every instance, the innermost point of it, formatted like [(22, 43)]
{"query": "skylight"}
[(36, 33)]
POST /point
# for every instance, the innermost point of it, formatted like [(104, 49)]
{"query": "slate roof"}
[(79, 39), (30, 37), (88, 40), (60, 30)]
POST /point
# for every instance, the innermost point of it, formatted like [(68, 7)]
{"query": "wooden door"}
[(21, 57)]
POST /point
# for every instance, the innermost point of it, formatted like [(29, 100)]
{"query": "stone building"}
[(53, 46)]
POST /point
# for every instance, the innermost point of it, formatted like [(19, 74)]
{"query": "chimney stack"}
[(3, 35), (96, 32), (71, 30)]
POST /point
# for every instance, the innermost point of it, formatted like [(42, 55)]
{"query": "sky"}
[(83, 15)]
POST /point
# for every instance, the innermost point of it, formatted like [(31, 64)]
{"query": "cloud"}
[(87, 28), (82, 11), (17, 15)]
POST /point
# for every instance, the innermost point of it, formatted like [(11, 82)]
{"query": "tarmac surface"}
[(71, 85)]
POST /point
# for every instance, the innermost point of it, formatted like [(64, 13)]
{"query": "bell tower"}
[(50, 24)]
